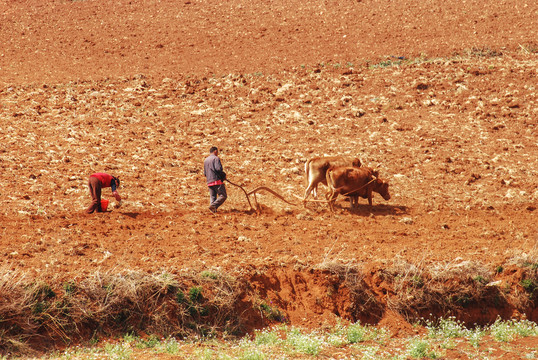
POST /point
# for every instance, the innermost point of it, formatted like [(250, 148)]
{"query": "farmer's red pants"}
[(95, 191)]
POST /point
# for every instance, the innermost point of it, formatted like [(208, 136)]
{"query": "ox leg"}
[(354, 201), (307, 192), (331, 196)]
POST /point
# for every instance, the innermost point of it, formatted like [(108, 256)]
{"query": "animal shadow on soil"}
[(380, 209)]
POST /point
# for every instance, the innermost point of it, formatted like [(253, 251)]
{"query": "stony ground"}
[(440, 96)]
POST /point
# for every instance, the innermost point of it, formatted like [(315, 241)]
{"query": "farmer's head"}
[(214, 149)]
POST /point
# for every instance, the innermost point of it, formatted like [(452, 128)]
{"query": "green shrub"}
[(180, 297), (195, 294)]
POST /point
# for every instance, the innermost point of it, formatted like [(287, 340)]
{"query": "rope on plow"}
[(253, 192)]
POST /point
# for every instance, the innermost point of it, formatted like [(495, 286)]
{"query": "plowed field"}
[(441, 96)]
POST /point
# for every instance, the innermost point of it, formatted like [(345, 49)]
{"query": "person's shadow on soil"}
[(261, 209), (133, 215)]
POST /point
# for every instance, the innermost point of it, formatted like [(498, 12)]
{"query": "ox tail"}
[(330, 195), (330, 179), (329, 176)]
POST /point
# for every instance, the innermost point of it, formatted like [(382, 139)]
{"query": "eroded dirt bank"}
[(40, 316)]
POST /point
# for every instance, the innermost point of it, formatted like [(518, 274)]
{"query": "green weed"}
[(309, 344), (475, 336), (209, 275), (356, 333), (252, 354), (386, 63), (151, 342), (529, 285), (417, 281), (420, 349), (169, 346), (506, 331), (130, 338), (69, 287), (271, 312), (266, 337), (118, 351), (446, 328)]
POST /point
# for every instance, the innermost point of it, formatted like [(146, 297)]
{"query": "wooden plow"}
[(257, 207)]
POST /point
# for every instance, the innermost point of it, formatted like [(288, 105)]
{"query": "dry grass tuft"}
[(108, 304), (443, 288), (525, 258), (15, 303)]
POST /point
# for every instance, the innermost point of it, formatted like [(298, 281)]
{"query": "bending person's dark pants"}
[(95, 190)]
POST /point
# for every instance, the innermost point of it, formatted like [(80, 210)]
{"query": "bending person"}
[(96, 183)]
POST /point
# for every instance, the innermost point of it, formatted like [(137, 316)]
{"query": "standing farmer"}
[(96, 183), (215, 179)]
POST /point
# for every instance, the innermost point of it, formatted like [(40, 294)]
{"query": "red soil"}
[(143, 89)]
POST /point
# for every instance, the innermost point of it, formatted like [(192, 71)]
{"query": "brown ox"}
[(355, 182), (316, 169)]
